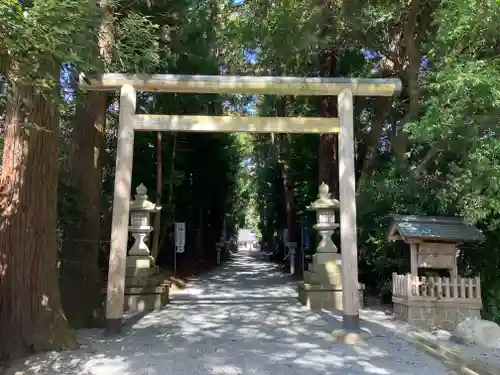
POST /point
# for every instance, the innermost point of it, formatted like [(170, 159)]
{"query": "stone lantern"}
[(325, 208), (140, 219), (322, 286), (145, 286)]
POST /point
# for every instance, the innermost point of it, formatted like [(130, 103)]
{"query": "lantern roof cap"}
[(141, 203), (324, 200)]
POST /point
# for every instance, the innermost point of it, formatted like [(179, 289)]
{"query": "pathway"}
[(242, 319)]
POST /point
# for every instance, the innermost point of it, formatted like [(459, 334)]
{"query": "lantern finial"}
[(324, 200), (141, 191), (324, 191)]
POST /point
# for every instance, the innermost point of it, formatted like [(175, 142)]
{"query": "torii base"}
[(350, 338)]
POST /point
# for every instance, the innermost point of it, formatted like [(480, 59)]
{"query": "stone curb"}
[(448, 356)]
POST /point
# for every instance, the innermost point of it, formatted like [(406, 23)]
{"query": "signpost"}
[(180, 241), (304, 230), (180, 237), (291, 248), (305, 237)]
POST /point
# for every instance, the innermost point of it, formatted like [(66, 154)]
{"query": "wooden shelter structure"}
[(130, 122), (434, 301)]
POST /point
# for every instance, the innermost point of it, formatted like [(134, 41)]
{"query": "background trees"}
[(433, 150)]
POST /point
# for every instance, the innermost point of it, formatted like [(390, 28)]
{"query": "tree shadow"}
[(240, 319)]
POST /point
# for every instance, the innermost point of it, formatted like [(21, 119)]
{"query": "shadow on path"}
[(241, 319)]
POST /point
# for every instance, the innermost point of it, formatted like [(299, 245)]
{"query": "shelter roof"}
[(433, 228)]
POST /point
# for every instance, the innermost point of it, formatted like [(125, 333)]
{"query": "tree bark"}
[(372, 141), (416, 24), (155, 242), (198, 242), (290, 205), (328, 152), (283, 144), (81, 279), (413, 53), (31, 316), (170, 198)]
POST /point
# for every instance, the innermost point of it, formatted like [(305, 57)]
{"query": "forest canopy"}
[(432, 150)]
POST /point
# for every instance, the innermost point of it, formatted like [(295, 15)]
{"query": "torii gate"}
[(130, 122)]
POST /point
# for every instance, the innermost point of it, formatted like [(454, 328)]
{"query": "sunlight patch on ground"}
[(242, 319)]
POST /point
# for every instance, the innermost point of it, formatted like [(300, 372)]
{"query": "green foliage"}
[(452, 150), (47, 33), (451, 158), (466, 28), (390, 191), (136, 48)]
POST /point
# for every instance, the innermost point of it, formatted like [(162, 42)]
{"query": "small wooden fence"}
[(442, 288)]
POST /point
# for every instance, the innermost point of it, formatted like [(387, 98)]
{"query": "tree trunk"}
[(80, 277), (290, 207), (328, 153), (170, 199), (155, 242), (284, 142), (198, 242), (31, 317), (367, 160)]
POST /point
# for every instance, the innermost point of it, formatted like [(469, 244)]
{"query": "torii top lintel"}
[(210, 84)]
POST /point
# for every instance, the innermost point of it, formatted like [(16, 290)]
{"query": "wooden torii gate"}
[(130, 122)]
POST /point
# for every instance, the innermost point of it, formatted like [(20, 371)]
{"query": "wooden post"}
[(447, 292), (409, 286), (347, 197), (454, 270), (478, 287), (470, 291), (454, 285), (121, 201), (462, 287), (413, 259)]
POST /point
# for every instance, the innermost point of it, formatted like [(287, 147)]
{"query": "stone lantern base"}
[(317, 297), (322, 285), (145, 286)]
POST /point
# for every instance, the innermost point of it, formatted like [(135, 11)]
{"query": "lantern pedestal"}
[(152, 295), (322, 285), (139, 261), (145, 286), (139, 234)]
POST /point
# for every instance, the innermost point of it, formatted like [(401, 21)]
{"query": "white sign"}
[(180, 237)]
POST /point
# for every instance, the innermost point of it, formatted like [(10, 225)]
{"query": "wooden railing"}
[(442, 288)]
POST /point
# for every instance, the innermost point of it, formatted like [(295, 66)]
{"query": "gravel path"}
[(488, 357), (242, 319)]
